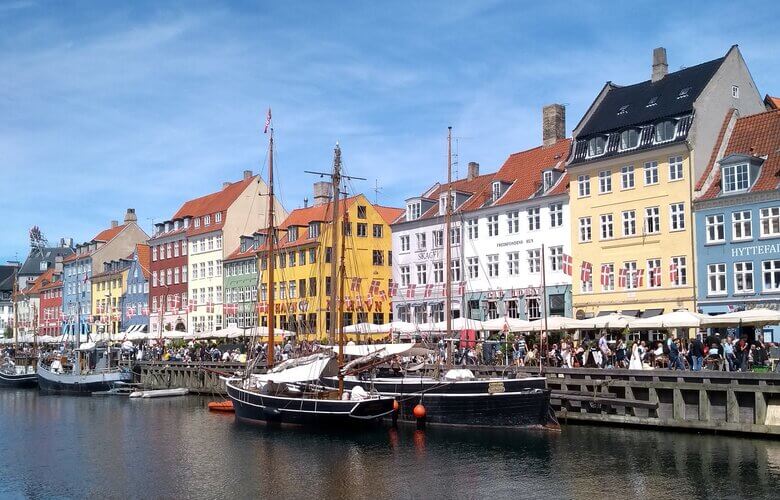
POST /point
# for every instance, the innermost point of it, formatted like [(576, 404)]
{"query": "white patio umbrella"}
[(459, 324), (555, 324), (612, 321), (750, 317), (45, 339), (427, 327), (364, 328), (676, 319), (506, 324)]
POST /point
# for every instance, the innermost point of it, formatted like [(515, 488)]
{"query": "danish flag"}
[(393, 289), (267, 121), (369, 301), (639, 278), (586, 271), (145, 310), (674, 274), (347, 303), (356, 284), (461, 288), (262, 307), (566, 262), (410, 291), (656, 276), (444, 291), (428, 291), (622, 277), (382, 295), (605, 272), (374, 288)]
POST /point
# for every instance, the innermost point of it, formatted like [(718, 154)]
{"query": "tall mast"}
[(335, 193), (342, 278), (447, 247), (270, 351), (544, 309), (14, 300)]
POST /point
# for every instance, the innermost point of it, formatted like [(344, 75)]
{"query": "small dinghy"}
[(160, 393), (222, 406)]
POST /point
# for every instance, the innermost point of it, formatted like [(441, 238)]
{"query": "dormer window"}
[(684, 93), (218, 217), (629, 139), (314, 229), (652, 102), (443, 203), (736, 178), (664, 131), (44, 265), (496, 191), (206, 220), (547, 179), (176, 225), (197, 221), (413, 210), (623, 110), (292, 233), (596, 146)]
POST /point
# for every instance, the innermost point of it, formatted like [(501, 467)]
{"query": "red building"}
[(50, 311), (168, 281)]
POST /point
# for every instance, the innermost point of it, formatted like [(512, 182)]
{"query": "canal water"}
[(110, 447)]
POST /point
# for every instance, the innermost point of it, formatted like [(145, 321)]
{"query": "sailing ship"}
[(458, 397), (291, 393)]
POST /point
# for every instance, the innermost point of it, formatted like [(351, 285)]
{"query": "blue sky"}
[(109, 105)]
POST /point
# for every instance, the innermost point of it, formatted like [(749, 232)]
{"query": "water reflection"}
[(112, 447)]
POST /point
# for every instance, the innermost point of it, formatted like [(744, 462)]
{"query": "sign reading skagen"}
[(429, 255), (756, 250)]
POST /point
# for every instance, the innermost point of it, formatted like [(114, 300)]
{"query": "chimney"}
[(130, 215), (321, 193), (305, 202), (660, 68), (553, 124), (225, 184), (247, 174), (58, 263), (67, 242), (114, 223), (473, 170)]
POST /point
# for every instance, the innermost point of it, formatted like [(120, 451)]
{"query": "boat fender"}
[(271, 412)]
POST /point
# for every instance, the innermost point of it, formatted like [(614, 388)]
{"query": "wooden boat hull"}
[(79, 385), (19, 380), (251, 406), (478, 403)]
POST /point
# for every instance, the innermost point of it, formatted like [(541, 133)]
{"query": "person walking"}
[(696, 352), (675, 361), (605, 351), (635, 362)]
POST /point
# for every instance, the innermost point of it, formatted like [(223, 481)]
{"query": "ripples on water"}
[(111, 447)]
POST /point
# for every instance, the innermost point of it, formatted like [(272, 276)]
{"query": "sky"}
[(110, 105)]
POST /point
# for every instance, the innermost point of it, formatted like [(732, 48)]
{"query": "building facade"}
[(108, 292), (50, 316), (135, 305), (737, 214), (241, 285), (167, 277), (636, 155)]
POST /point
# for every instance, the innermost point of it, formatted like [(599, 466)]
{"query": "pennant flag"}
[(585, 271), (410, 291), (622, 277), (267, 121), (605, 274), (566, 261), (262, 307)]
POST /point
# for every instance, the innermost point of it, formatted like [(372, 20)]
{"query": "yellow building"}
[(108, 290), (636, 157), (303, 266)]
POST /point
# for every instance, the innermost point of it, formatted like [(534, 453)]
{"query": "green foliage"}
[(8, 333)]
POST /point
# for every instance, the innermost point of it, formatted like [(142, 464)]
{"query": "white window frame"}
[(513, 222), (742, 225), (534, 218), (770, 269), (492, 222), (743, 276), (513, 263), (472, 267), (714, 229), (676, 172), (677, 217), (606, 227), (651, 173), (736, 175), (605, 181), (627, 180), (652, 217), (585, 230), (628, 219), (769, 222), (492, 265), (556, 214), (534, 260), (716, 279), (583, 186)]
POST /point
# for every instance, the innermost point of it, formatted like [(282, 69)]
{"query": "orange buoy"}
[(226, 406), (419, 411), (395, 405)]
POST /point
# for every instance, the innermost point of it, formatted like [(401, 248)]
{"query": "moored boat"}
[(88, 370), (21, 377)]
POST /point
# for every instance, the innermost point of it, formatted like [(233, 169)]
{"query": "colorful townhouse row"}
[(665, 197)]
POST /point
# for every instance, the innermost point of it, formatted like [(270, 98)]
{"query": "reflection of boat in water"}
[(89, 369), (20, 376)]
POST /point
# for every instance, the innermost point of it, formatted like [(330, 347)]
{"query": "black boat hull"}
[(79, 384), (51, 387), (253, 407), (19, 381)]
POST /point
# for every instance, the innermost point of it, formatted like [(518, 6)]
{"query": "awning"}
[(630, 312), (649, 313), (605, 313)]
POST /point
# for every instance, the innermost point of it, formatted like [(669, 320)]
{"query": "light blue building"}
[(135, 303), (77, 292), (737, 212)]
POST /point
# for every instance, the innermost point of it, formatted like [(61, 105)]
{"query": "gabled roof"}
[(756, 136), (214, 202), (772, 102), (473, 187), (389, 214), (38, 283), (6, 278), (237, 254), (607, 117), (524, 171), (316, 213), (107, 235), (144, 258), (32, 265)]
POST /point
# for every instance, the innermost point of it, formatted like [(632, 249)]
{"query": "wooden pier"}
[(199, 378)]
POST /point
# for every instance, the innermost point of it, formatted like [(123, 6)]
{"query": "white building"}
[(501, 224)]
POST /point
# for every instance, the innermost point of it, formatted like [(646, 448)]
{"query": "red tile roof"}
[(214, 202), (321, 213), (755, 135), (35, 286), (389, 214), (524, 171), (238, 254), (109, 234), (144, 258), (772, 102)]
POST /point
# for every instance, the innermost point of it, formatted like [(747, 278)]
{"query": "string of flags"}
[(627, 278)]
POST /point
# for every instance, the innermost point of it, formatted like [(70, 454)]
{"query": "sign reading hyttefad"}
[(756, 250)]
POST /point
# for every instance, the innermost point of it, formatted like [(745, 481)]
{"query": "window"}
[(664, 131), (184, 274), (218, 217), (743, 277), (197, 221), (607, 277), (596, 146), (455, 270), (587, 286), (314, 230), (652, 220), (492, 225), (472, 267), (413, 210), (680, 271), (585, 230), (606, 227), (627, 177), (629, 139), (347, 225), (653, 273), (583, 185), (438, 238), (362, 229), (513, 222), (534, 260), (534, 221), (422, 273), (183, 247), (770, 221), (405, 243), (605, 181), (556, 214), (771, 271), (455, 236), (405, 275), (438, 272), (443, 203), (513, 263), (378, 230), (741, 225), (154, 253), (716, 279), (472, 228), (556, 258), (293, 258), (312, 256), (735, 91), (547, 179), (736, 178), (207, 220), (714, 228), (651, 173), (631, 276), (676, 216), (675, 168), (421, 243), (492, 265), (629, 222), (378, 257), (361, 211), (496, 190)]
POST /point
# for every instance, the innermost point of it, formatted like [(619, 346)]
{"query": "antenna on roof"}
[(38, 240), (377, 190)]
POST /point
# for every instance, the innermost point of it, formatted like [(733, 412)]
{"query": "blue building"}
[(135, 305), (737, 211)]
